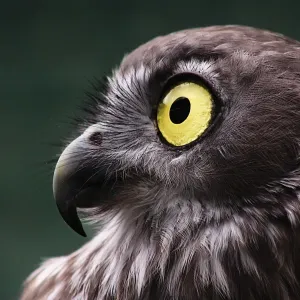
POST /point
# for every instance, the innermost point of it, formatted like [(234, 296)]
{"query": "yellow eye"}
[(184, 113)]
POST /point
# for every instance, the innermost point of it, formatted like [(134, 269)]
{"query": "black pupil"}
[(180, 110)]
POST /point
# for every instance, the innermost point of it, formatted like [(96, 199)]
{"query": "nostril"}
[(96, 138)]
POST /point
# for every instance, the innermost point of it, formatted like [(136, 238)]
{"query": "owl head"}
[(207, 116)]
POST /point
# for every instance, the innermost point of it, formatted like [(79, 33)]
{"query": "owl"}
[(187, 164)]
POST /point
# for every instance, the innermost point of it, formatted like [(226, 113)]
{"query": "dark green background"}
[(49, 50)]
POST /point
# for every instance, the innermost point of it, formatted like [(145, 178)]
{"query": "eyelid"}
[(179, 78), (194, 77)]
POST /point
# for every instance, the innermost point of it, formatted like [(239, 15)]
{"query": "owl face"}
[(209, 115)]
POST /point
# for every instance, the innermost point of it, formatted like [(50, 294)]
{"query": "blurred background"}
[(49, 50)]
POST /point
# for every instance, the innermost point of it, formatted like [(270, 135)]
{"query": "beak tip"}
[(82, 233), (71, 218)]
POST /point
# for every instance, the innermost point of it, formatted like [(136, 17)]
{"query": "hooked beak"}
[(77, 182)]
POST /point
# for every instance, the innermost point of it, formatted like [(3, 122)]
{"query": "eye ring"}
[(217, 106)]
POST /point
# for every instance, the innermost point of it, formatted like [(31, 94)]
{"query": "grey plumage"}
[(218, 219)]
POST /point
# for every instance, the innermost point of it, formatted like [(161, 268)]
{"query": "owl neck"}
[(186, 252)]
